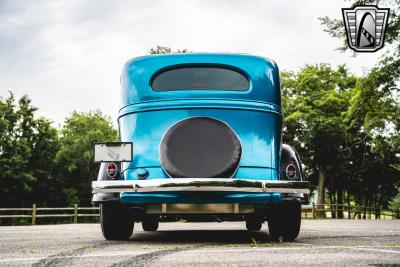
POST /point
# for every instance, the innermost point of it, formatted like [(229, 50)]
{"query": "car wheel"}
[(253, 225), (116, 224), (150, 222), (285, 220)]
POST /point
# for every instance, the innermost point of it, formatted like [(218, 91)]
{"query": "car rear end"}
[(204, 133)]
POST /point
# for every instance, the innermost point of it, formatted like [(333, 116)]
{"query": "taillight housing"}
[(112, 170), (291, 172)]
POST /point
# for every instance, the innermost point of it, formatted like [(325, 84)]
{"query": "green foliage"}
[(74, 164), (40, 165), (394, 203), (165, 50), (375, 105), (342, 134), (315, 101), (373, 117), (27, 149)]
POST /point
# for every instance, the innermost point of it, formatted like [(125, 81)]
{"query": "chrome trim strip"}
[(288, 190), (192, 103), (201, 184)]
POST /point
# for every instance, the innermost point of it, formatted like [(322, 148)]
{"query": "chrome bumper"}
[(201, 184)]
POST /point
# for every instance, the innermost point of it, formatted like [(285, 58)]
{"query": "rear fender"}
[(102, 176), (290, 156)]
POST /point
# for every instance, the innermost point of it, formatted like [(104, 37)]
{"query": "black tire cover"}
[(200, 147)]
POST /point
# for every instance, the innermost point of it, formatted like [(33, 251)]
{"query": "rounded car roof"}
[(263, 75)]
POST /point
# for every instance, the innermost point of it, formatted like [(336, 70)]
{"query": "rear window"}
[(200, 78)]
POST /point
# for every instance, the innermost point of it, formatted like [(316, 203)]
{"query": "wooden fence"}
[(313, 212), (343, 211), (74, 212)]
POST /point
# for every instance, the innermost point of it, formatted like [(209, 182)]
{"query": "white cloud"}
[(67, 55)]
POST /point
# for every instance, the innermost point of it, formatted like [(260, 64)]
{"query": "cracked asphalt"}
[(321, 242)]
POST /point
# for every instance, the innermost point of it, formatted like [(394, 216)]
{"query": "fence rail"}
[(342, 211), (64, 212), (313, 212)]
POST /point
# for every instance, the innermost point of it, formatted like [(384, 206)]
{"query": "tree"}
[(314, 101), (165, 50), (27, 149), (75, 168), (376, 103), (374, 113)]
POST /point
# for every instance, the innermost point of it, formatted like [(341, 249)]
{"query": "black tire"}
[(253, 225), (285, 220), (116, 224), (150, 222)]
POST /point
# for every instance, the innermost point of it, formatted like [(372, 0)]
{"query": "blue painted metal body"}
[(255, 115)]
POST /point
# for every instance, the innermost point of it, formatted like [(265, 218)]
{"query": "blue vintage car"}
[(200, 139)]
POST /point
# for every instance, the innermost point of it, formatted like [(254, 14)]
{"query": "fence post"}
[(75, 213), (348, 212), (33, 214), (313, 210)]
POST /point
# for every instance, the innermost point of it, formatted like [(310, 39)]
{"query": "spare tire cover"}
[(200, 147)]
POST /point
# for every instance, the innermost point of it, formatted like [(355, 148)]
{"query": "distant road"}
[(321, 242)]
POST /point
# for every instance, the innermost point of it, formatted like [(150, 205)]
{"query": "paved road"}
[(321, 242)]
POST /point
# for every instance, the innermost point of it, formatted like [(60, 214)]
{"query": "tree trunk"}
[(332, 201), (366, 204), (348, 205), (340, 202), (321, 192)]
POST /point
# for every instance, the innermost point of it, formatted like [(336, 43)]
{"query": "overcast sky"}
[(68, 55)]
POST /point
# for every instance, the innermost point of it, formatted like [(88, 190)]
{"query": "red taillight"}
[(291, 171), (112, 169)]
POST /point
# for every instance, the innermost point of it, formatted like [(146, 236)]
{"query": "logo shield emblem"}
[(365, 27)]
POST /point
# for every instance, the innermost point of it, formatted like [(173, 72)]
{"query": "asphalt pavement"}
[(321, 242)]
